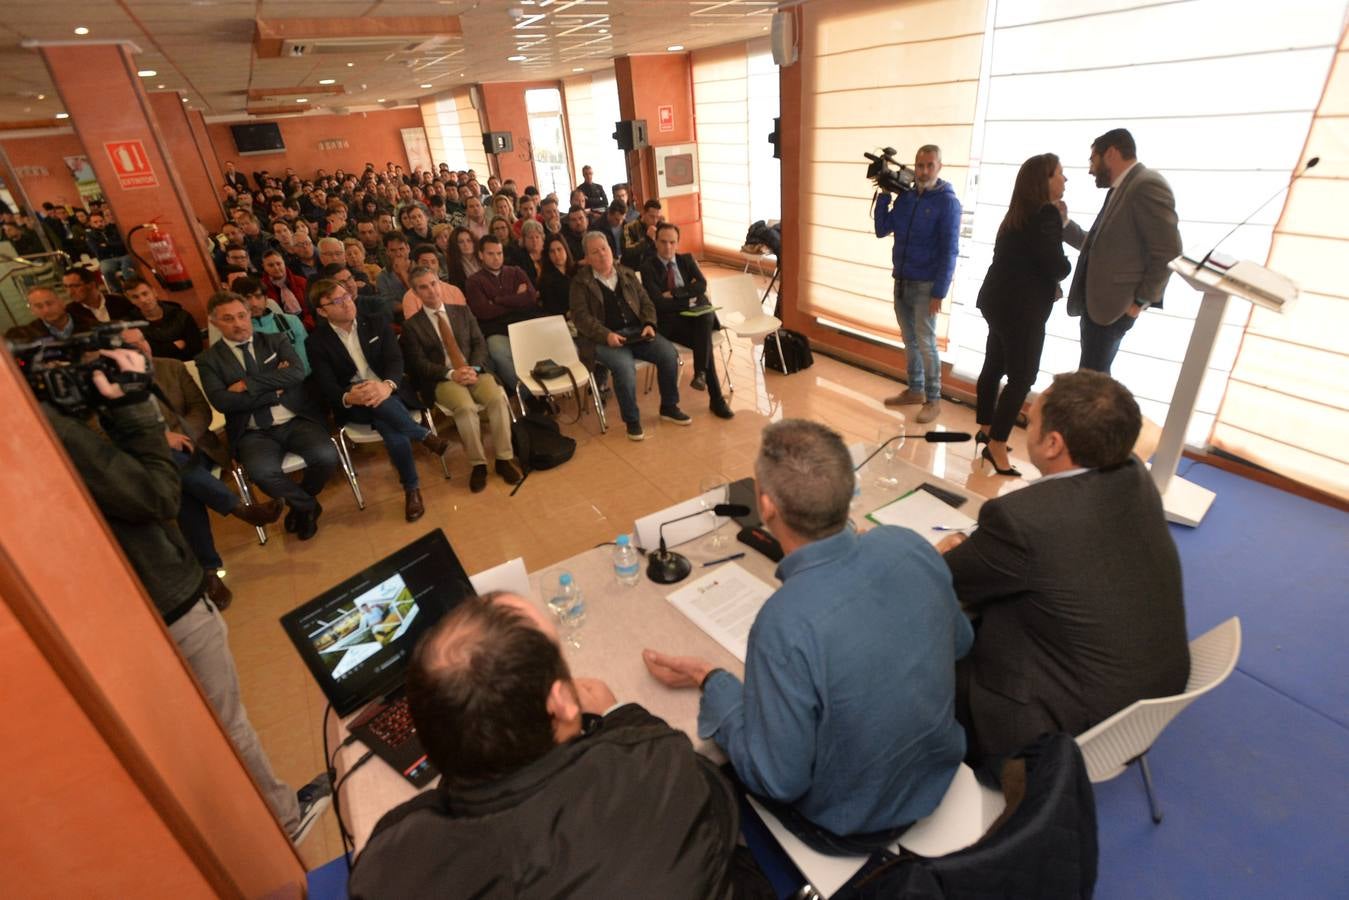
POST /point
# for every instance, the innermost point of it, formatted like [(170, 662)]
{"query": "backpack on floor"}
[(795, 347), (539, 443)]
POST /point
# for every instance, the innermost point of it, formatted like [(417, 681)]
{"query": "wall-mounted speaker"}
[(784, 38), (497, 142), (775, 138), (631, 134)]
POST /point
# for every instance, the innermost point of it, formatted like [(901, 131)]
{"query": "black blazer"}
[(1078, 584), (1028, 264), (427, 364), (653, 279), (333, 368), (219, 368), (554, 291)]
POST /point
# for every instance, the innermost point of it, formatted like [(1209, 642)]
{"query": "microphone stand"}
[(932, 437), (665, 566)]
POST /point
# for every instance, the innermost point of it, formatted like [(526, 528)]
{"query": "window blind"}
[(592, 110), (453, 132)]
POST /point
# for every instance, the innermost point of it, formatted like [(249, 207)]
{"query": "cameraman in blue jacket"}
[(926, 224)]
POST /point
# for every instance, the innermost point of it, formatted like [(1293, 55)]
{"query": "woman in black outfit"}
[(1016, 298), (555, 282), (461, 260)]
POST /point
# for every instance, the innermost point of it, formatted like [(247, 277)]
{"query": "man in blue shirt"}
[(926, 224), (845, 723)]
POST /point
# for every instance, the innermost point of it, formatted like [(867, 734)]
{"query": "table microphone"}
[(664, 566), (1311, 164), (932, 437)]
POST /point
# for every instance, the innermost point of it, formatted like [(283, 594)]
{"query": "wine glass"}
[(714, 489), (885, 459)]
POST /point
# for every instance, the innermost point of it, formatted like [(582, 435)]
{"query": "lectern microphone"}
[(932, 437), (1311, 164), (664, 566)]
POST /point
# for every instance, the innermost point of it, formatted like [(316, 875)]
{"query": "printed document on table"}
[(723, 603), (925, 514)]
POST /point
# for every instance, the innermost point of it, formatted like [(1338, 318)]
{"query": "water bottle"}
[(627, 561), (569, 608)]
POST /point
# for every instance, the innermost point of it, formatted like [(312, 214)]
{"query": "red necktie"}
[(669, 276)]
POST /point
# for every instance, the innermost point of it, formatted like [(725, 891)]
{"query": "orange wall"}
[(57, 186), (646, 83), (374, 137), (182, 146), (504, 105)]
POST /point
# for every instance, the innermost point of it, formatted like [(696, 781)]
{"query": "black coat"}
[(627, 810), (1028, 264), (219, 368), (333, 368), (1078, 585)]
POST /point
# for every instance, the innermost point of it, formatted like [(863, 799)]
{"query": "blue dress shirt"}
[(847, 711)]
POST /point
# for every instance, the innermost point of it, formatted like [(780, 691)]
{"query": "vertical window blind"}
[(592, 110), (453, 132), (877, 74), (735, 99), (1286, 405), (1059, 77)]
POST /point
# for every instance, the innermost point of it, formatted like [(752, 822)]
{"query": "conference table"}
[(620, 622)]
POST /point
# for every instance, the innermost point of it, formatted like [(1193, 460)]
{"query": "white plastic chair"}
[(217, 417), (719, 342), (549, 338), (742, 310), (1124, 738), (354, 433)]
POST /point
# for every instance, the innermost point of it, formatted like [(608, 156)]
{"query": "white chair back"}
[(545, 338), (738, 297), (1110, 746), (217, 417)]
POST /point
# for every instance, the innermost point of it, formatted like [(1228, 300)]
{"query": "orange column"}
[(645, 84), (112, 117), (199, 179)]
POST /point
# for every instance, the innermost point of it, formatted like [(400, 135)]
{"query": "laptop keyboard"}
[(394, 725)]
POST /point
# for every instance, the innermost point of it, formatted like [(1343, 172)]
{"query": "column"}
[(201, 180)]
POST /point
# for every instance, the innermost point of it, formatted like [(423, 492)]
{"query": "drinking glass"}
[(714, 489), (884, 463)]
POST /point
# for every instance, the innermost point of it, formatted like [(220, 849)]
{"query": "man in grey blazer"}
[(1122, 263), (1074, 581)]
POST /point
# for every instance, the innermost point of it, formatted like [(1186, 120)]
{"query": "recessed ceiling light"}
[(80, 29), (380, 100), (302, 100), (516, 58), (42, 96), (350, 65), (63, 115), (184, 99), (160, 86), (675, 48), (147, 73), (579, 69), (424, 86), (327, 81)]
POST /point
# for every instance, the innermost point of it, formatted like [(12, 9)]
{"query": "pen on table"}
[(717, 562), (950, 528)]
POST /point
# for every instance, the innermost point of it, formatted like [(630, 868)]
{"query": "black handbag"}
[(545, 369)]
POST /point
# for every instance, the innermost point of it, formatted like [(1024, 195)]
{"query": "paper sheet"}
[(924, 513), (724, 603), (509, 576)]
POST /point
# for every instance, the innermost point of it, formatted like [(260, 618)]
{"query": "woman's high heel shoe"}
[(1013, 472), (980, 437)]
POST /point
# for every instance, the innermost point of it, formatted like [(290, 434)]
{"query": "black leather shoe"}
[(292, 520), (478, 480), (699, 382), (721, 409), (509, 471), (307, 523), (216, 589)]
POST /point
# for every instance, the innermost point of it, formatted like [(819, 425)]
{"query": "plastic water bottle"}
[(569, 608), (627, 561)]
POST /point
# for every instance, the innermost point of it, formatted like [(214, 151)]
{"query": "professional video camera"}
[(887, 173), (61, 372)]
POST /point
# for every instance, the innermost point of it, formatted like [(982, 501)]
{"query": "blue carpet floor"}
[(1253, 779)]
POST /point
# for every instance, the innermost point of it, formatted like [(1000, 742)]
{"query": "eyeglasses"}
[(336, 300)]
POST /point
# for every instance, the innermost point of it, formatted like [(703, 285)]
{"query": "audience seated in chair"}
[(845, 723), (52, 318), (639, 237), (86, 289), (170, 329), (256, 380), (288, 289), (1075, 578), (500, 295)]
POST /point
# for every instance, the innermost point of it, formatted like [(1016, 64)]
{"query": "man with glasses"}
[(84, 289), (358, 368), (393, 281)]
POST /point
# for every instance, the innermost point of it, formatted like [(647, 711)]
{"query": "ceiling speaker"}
[(784, 38)]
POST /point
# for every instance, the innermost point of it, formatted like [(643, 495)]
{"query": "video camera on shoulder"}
[(887, 173), (61, 372)]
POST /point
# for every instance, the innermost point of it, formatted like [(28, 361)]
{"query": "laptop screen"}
[(357, 637)]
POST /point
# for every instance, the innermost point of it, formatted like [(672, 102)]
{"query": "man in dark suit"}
[(1075, 579), (446, 357), (236, 179), (256, 380), (359, 371), (1122, 265), (85, 288), (677, 286)]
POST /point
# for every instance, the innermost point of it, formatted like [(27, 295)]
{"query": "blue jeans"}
[(499, 349), (396, 426), (1100, 343), (620, 363), (201, 491), (919, 328)]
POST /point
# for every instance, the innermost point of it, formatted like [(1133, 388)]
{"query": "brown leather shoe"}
[(436, 444), (413, 508), (259, 514), (908, 398), (509, 470), (218, 591), (477, 481)]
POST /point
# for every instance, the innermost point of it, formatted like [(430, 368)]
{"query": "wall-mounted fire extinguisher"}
[(164, 260)]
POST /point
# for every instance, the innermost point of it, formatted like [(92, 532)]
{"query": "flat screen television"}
[(257, 137)]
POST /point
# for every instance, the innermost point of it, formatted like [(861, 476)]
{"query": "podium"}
[(1184, 501)]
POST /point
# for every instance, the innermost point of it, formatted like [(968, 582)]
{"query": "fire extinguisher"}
[(164, 260)]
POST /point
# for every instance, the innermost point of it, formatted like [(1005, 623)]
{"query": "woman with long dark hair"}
[(555, 282), (1016, 298), (462, 258)]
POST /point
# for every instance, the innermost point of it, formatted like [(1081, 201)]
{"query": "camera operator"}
[(133, 478), (926, 224)]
